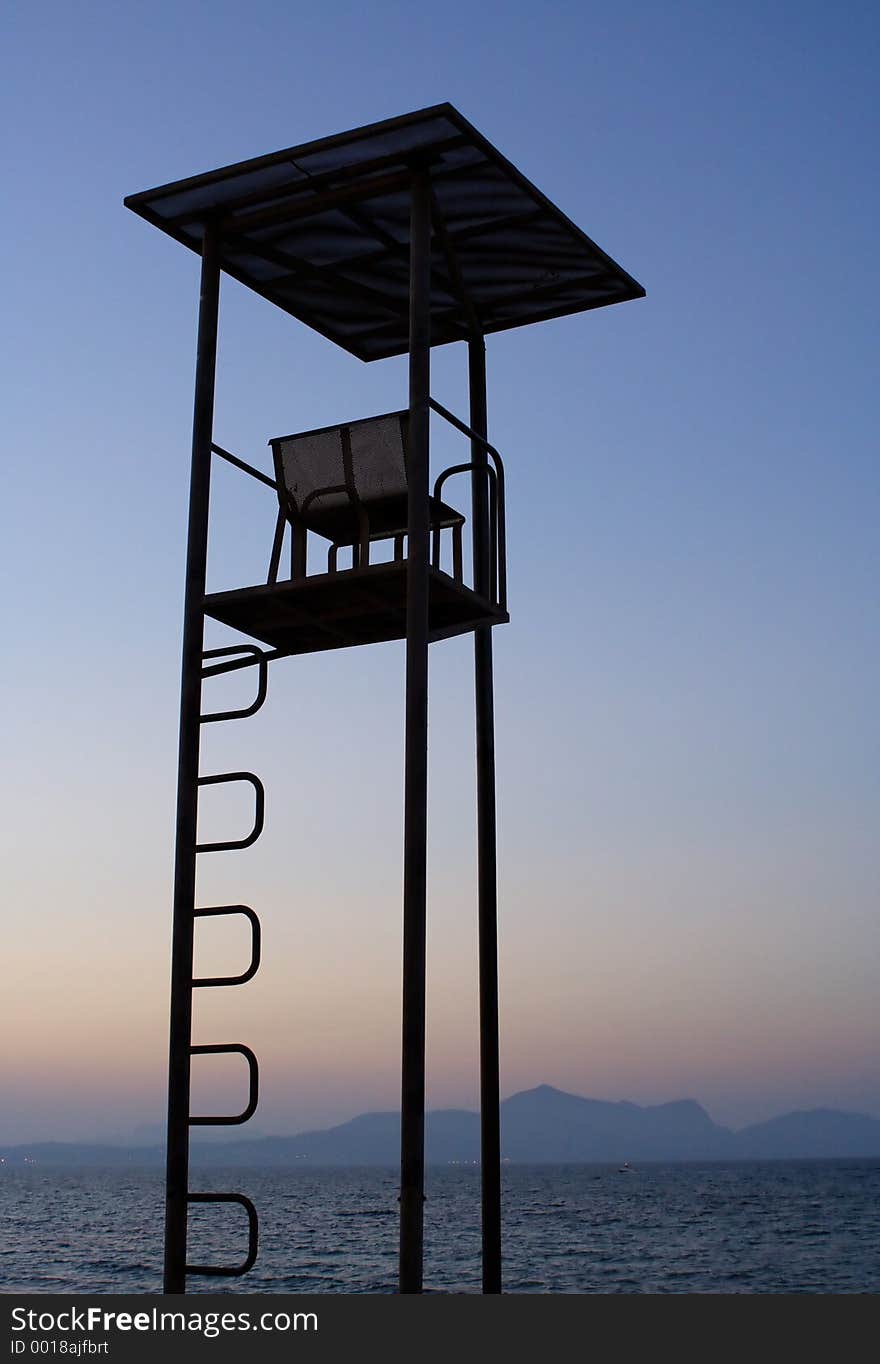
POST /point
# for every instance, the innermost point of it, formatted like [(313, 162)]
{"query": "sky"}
[(687, 730)]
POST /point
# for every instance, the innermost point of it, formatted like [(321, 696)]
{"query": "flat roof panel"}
[(322, 231)]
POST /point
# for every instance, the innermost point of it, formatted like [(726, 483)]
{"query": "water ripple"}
[(776, 1227)]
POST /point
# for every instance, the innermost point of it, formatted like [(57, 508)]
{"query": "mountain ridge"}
[(543, 1125)]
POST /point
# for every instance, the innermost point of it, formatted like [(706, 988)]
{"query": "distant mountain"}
[(542, 1125), (816, 1132), (565, 1127), (80, 1153)]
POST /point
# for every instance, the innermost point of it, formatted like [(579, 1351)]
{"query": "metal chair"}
[(348, 484)]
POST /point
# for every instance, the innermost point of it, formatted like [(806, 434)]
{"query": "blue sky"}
[(686, 694)]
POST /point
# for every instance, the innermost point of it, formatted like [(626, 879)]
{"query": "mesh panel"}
[(378, 459), (312, 462)]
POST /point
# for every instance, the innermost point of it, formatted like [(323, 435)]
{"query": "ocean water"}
[(776, 1227)]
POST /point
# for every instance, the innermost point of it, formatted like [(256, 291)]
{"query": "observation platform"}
[(349, 607)]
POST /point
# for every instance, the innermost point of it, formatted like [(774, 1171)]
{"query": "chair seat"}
[(339, 522)]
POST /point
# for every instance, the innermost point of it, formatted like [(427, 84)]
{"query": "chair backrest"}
[(325, 474)]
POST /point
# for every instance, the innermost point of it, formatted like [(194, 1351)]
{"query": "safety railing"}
[(493, 471)]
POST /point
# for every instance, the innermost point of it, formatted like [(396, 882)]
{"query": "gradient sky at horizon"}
[(686, 694)]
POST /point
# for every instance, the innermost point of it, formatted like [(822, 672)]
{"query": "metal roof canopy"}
[(322, 230)]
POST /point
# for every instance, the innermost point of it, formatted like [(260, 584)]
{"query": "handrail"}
[(323, 492), (235, 664), (245, 468), (494, 566), (363, 516), (499, 468), (270, 483), (467, 431)]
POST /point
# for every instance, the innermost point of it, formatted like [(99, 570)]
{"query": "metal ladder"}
[(235, 656)]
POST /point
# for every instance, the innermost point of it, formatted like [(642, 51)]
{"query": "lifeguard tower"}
[(396, 237)]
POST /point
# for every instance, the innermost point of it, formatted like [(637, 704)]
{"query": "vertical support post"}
[(490, 1095), (177, 1173), (298, 548), (412, 1127)]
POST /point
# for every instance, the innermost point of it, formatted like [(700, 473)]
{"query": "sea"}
[(748, 1227)]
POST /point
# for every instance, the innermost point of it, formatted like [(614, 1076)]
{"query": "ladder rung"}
[(256, 655), (255, 944), (259, 810), (227, 1048), (231, 1271)]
